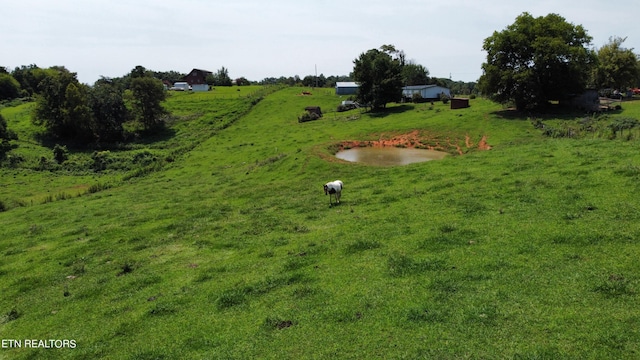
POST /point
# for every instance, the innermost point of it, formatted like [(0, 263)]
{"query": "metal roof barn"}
[(346, 88)]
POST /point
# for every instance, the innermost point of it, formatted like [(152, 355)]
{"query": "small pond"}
[(389, 156)]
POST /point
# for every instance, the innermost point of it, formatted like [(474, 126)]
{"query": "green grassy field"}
[(226, 246)]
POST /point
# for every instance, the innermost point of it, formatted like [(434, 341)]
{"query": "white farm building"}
[(431, 92)]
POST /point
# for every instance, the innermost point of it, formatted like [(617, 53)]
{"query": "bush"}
[(100, 160), (45, 164), (14, 160), (5, 147), (144, 158), (60, 153), (621, 124), (308, 116)]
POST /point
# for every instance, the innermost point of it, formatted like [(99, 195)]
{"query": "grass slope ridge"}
[(524, 251)]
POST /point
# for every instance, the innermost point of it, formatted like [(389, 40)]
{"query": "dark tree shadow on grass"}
[(151, 136), (141, 137), (550, 112), (380, 113)]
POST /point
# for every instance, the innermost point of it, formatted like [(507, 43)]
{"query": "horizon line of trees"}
[(23, 81)]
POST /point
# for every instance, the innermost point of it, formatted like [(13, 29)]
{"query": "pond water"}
[(389, 156)]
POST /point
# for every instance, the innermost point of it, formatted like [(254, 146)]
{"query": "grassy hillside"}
[(228, 248)]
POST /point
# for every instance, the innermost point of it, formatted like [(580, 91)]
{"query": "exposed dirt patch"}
[(481, 145), (420, 140)]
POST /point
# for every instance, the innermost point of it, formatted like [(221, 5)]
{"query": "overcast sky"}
[(273, 38)]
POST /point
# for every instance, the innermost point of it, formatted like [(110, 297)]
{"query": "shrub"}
[(14, 160), (144, 158), (60, 153), (100, 160), (45, 164), (621, 124), (4, 148)]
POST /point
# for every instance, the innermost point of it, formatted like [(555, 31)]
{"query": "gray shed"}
[(346, 88)]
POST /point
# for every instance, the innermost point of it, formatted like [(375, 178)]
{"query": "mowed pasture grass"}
[(231, 250)]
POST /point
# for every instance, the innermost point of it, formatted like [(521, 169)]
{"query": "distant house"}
[(428, 92), (346, 88), (197, 79)]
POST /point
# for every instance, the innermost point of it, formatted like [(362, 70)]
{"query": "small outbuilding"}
[(346, 88), (459, 103), (428, 92)]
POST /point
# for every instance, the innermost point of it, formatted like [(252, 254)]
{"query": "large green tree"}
[(535, 60), (77, 115), (30, 77), (109, 110), (617, 66), (415, 74), (9, 87), (379, 76), (221, 78), (61, 106), (140, 71), (148, 94)]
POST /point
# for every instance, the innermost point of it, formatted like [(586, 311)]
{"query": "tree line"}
[(80, 114)]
